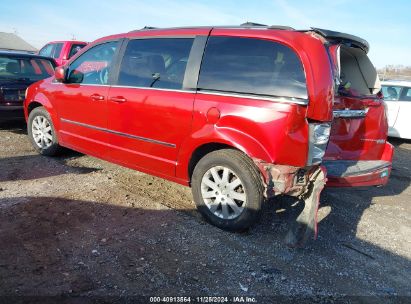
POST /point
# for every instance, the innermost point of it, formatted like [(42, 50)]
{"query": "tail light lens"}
[(319, 135)]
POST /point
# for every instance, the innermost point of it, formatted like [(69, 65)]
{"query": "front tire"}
[(227, 189), (41, 132)]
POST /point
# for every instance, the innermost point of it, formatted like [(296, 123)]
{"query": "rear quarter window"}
[(252, 66)]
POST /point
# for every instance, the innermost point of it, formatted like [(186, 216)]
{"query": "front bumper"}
[(11, 112), (350, 173)]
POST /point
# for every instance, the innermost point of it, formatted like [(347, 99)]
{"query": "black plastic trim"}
[(116, 63), (194, 63)]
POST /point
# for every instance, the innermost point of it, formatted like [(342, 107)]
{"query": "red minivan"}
[(240, 114)]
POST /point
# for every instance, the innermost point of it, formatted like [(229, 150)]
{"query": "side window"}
[(57, 50), (391, 93), (74, 49), (406, 95), (93, 67), (252, 66), (46, 50), (156, 63)]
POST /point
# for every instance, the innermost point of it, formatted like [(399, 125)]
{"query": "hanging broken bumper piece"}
[(304, 183), (306, 224)]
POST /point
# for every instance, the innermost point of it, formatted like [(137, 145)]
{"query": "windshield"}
[(25, 69)]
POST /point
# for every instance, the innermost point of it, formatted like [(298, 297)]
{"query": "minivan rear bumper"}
[(350, 173)]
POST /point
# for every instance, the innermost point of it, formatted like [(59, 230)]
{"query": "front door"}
[(149, 112), (82, 101)]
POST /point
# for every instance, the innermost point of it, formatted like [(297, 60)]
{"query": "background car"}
[(17, 72), (61, 51), (397, 95)]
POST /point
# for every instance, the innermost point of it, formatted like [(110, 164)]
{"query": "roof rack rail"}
[(144, 28), (251, 24), (280, 27), (271, 27)]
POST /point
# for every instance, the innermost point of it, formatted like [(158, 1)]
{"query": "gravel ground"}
[(76, 225)]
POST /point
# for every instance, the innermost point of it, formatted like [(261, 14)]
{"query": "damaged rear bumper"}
[(356, 173), (304, 183)]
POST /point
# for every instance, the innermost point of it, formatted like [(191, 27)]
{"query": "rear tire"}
[(228, 189), (41, 132)]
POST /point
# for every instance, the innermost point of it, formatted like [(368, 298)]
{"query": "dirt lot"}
[(76, 225)]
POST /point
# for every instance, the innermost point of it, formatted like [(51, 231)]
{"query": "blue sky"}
[(385, 24)]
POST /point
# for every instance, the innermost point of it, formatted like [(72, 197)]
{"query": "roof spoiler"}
[(342, 37)]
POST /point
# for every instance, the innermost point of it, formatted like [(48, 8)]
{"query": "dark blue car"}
[(17, 72)]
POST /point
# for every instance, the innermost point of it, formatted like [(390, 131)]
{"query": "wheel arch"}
[(32, 105), (194, 149), (202, 151), (41, 100)]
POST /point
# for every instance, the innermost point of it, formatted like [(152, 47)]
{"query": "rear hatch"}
[(357, 154)]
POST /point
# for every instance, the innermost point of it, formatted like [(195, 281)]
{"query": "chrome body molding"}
[(154, 141)]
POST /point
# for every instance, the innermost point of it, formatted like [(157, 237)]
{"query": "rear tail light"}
[(319, 135)]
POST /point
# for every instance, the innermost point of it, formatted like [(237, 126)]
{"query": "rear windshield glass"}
[(252, 66), (25, 69)]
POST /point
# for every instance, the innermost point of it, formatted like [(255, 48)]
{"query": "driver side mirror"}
[(60, 74)]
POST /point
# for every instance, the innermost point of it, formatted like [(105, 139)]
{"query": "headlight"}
[(319, 134), (25, 93)]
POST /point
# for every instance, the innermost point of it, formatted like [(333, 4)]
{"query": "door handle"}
[(97, 97), (119, 99)]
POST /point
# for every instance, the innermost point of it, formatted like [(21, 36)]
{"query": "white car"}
[(397, 96)]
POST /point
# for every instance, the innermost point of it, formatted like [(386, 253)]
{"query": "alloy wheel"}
[(223, 192), (42, 132)]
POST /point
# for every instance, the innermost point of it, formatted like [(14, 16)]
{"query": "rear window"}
[(252, 66), (25, 69)]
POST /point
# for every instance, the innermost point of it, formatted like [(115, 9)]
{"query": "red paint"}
[(179, 122)]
